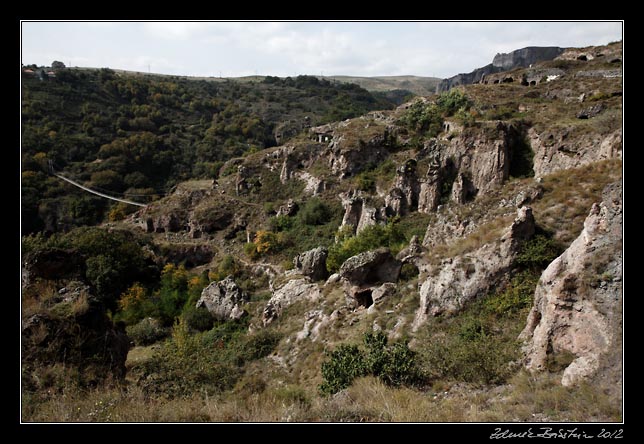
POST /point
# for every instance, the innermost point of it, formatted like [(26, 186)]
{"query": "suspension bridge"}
[(89, 190)]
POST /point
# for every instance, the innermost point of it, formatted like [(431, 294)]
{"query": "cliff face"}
[(447, 287), (578, 301), (521, 58)]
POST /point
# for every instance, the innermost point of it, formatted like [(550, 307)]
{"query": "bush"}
[(537, 253), (314, 212), (452, 101), (517, 296), (423, 118), (146, 332), (344, 365), (197, 319), (281, 223), (259, 344), (393, 364), (470, 353), (370, 238)]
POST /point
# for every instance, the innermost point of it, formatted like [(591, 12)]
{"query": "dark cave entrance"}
[(364, 298)]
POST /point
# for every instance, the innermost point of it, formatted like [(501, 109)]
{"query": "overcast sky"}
[(232, 49)]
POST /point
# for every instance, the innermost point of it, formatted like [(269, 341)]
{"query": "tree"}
[(57, 65)]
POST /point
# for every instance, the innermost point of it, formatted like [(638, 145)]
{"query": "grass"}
[(569, 194), (526, 398)]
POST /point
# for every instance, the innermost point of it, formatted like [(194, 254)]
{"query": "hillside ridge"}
[(462, 248)]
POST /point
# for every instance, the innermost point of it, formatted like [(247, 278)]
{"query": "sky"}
[(235, 49)]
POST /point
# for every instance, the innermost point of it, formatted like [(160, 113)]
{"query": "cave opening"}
[(364, 298)]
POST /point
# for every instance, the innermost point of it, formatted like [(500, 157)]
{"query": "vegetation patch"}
[(393, 364)]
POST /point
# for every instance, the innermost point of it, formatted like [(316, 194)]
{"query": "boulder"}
[(291, 292), (77, 336), (371, 267), (578, 301), (223, 299), (312, 263)]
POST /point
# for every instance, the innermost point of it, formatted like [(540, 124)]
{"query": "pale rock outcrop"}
[(403, 196), (313, 185), (315, 322), (448, 287), (368, 277), (578, 301), (312, 263), (357, 212), (379, 294), (555, 150), (450, 224), (412, 253), (291, 292), (430, 187), (371, 267), (481, 157), (223, 299), (288, 209)]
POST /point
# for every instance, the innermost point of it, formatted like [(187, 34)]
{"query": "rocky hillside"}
[(526, 58), (469, 238)]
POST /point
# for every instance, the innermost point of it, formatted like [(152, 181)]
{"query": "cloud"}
[(176, 30), (439, 49)]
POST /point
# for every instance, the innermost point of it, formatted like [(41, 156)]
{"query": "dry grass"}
[(527, 398), (486, 233), (38, 297), (569, 195)]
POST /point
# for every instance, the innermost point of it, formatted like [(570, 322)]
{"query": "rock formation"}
[(223, 299), (578, 301), (403, 196), (371, 267), (76, 333), (450, 285), (357, 212), (312, 263), (430, 187), (521, 58), (555, 150), (291, 292)]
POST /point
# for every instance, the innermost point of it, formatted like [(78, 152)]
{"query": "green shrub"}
[(370, 238), (517, 296), (393, 364), (148, 331), (314, 212), (423, 118), (452, 101), (365, 181), (281, 223), (538, 252), (260, 344), (197, 319), (470, 354), (345, 364), (208, 362)]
